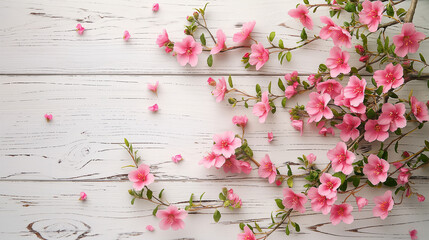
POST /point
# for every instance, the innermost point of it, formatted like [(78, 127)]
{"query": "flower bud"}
[(187, 32), (196, 15), (167, 49), (246, 55), (364, 58), (360, 49), (211, 82), (189, 18), (405, 154)]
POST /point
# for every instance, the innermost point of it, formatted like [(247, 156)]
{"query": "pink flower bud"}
[(246, 55), (126, 35), (360, 49), (421, 198), (155, 7), (405, 154), (167, 49), (196, 15), (80, 29), (279, 182), (364, 58), (82, 196), (190, 18), (177, 158), (153, 108), (150, 228), (270, 137), (413, 234), (48, 117), (311, 158), (211, 82)]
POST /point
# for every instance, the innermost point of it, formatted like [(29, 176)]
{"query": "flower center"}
[(384, 206), (373, 13), (171, 218), (330, 185), (340, 212), (189, 51), (407, 41), (340, 61), (418, 110), (224, 143), (390, 78), (358, 90), (377, 128), (341, 157), (378, 169), (141, 177)]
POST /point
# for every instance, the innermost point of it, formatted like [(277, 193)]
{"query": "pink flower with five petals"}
[(262, 108), (341, 158), (329, 185), (338, 62), (221, 38), (390, 77), (232, 165), (293, 200), (226, 143), (172, 217), (349, 127), (187, 51), (331, 87), (376, 169), (340, 213), (259, 55), (245, 32), (320, 203), (141, 177), (355, 90), (376, 131), (162, 39), (371, 14), (267, 169), (393, 115), (212, 160), (383, 204), (301, 13), (419, 109), (317, 107), (408, 40)]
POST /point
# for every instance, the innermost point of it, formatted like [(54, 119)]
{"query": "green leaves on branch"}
[(216, 216)]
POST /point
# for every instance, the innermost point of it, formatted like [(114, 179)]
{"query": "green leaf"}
[(149, 194), (379, 90), (341, 176), (191, 200), (427, 145), (323, 67), (284, 102), (289, 170), (126, 142), (288, 56), (216, 216), (396, 146), (303, 35), (279, 203), (400, 12), (258, 227), (210, 60), (422, 58), (350, 7), (201, 197), (258, 89), (306, 2), (370, 113), (160, 193), (203, 39), (132, 201), (287, 230), (272, 36), (297, 228), (269, 87), (389, 10), (290, 182), (222, 197), (155, 210), (241, 225), (230, 81), (281, 44), (390, 182), (281, 85), (380, 48)]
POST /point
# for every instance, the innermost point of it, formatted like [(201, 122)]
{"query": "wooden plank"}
[(38, 36), (92, 115), (51, 210)]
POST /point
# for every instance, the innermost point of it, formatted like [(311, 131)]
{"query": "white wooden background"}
[(95, 87)]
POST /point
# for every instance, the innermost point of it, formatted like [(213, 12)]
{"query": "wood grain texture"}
[(38, 36), (95, 86)]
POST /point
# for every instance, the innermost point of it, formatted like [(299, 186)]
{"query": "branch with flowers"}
[(340, 99)]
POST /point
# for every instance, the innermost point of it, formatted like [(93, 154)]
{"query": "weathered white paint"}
[(47, 67)]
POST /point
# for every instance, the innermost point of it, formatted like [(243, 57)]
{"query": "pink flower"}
[(371, 14), (341, 158), (361, 202), (376, 169), (267, 169), (349, 127), (419, 109), (340, 100), (291, 77), (270, 136), (221, 38), (220, 90), (83, 196), (155, 7), (153, 108), (341, 37), (234, 199), (171, 217), (340, 213), (211, 81), (245, 167), (232, 165), (329, 185), (298, 125), (313, 80), (301, 13), (317, 107), (404, 175), (338, 62), (259, 55), (245, 32), (311, 158), (320, 203), (290, 92), (177, 158), (325, 131), (375, 131), (331, 87), (226, 143), (187, 51), (390, 77), (153, 87), (126, 36), (141, 177), (247, 235), (293, 200), (80, 29), (262, 108), (240, 121), (360, 49), (393, 115), (162, 39), (279, 182), (48, 117), (150, 228), (355, 90), (421, 198), (408, 40), (383, 204), (212, 160), (413, 234), (327, 30)]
